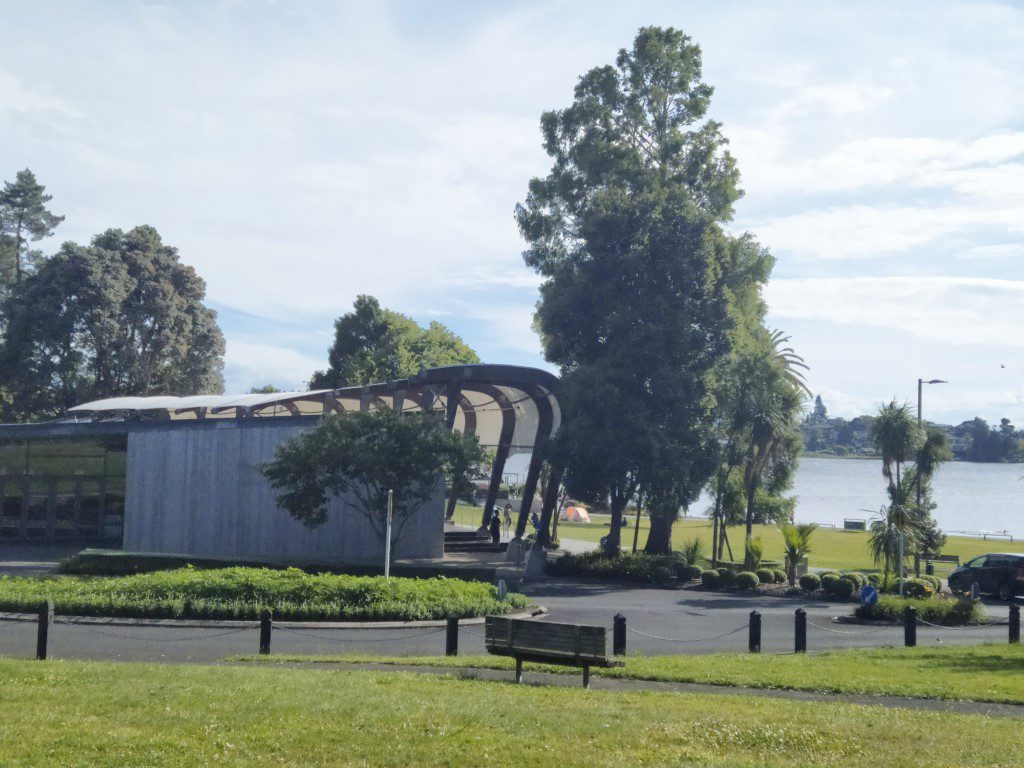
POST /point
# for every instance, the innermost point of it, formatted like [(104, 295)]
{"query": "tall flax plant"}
[(796, 543)]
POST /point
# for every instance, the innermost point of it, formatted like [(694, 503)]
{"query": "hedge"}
[(810, 582), (242, 593), (747, 580), (949, 612), (638, 567)]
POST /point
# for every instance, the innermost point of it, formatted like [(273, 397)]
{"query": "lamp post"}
[(920, 387)]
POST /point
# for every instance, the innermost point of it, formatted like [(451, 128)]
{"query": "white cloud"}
[(253, 364)]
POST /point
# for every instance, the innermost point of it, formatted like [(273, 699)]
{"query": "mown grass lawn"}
[(121, 716), (842, 550), (992, 673)]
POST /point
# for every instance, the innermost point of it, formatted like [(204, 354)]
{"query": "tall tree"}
[(372, 344), (625, 230), (122, 316), (24, 217)]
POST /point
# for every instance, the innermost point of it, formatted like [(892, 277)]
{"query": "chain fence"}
[(682, 640), (873, 631), (149, 639), (302, 633), (966, 627)]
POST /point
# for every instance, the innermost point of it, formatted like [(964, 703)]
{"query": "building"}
[(181, 475)]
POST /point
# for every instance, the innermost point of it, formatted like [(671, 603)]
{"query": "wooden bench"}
[(944, 559), (529, 640)]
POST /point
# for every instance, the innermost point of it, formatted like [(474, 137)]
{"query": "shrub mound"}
[(638, 567), (765, 575), (950, 612), (727, 577), (859, 579), (242, 593), (747, 580), (918, 588), (810, 582), (691, 573), (779, 576), (711, 579)]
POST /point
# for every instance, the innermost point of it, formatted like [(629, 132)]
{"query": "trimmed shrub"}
[(810, 582), (947, 611), (918, 588), (691, 572), (935, 581), (875, 580), (637, 567), (859, 579), (828, 581), (711, 579), (765, 575), (779, 576), (841, 588), (747, 580), (727, 576), (823, 574)]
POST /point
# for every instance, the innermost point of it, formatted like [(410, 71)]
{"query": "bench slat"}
[(579, 645)]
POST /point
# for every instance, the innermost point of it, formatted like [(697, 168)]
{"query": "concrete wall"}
[(197, 490)]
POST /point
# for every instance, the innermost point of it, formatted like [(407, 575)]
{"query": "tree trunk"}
[(659, 537), (714, 538), (636, 523), (751, 490), (613, 547)]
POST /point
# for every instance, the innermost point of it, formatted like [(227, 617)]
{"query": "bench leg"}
[(519, 670), (586, 676)]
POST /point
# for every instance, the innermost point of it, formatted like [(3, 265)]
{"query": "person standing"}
[(496, 527), (508, 517)]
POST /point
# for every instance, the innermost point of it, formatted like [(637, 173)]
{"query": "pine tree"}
[(24, 217)]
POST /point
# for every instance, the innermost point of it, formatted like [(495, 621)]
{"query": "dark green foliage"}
[(765, 575), (727, 577), (839, 588), (810, 582), (778, 575), (875, 580), (23, 217), (918, 588), (375, 344), (934, 581), (122, 316), (828, 581), (711, 579), (638, 567), (368, 454), (692, 550), (241, 593), (859, 579), (691, 573), (747, 580), (626, 232), (937, 610)]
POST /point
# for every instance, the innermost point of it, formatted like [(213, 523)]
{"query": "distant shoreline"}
[(877, 457)]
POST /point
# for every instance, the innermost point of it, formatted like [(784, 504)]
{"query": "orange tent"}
[(576, 515)]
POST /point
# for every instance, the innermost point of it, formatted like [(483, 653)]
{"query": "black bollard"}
[(619, 635), (266, 627), (451, 637), (800, 633), (43, 630), (755, 632), (1015, 623), (910, 626)]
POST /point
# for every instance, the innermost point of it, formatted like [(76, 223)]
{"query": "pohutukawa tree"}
[(626, 232), (121, 316), (366, 454)]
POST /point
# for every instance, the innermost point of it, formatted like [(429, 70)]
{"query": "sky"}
[(299, 154)]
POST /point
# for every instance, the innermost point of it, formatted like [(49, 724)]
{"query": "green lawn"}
[(157, 716), (978, 673), (842, 550)]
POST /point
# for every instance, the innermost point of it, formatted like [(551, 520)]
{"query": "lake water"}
[(976, 498)]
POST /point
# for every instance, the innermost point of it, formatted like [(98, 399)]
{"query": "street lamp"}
[(920, 385)]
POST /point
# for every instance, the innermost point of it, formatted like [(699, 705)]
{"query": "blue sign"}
[(868, 595)]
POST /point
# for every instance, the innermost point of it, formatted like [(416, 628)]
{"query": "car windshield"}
[(978, 562)]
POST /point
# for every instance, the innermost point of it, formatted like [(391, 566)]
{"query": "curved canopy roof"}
[(501, 404)]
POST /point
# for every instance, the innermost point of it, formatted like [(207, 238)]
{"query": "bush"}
[(638, 567), (727, 576), (859, 579), (691, 572), (711, 579), (935, 581), (810, 582), (779, 576), (753, 552), (828, 581), (693, 550), (747, 580), (823, 574), (918, 588), (947, 611), (875, 580), (241, 593), (765, 575), (841, 588)]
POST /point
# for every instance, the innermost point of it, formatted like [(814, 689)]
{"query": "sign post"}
[(387, 535)]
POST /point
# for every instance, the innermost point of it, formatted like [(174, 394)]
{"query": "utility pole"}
[(387, 535)]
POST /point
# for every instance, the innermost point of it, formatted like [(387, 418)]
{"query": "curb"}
[(111, 621)]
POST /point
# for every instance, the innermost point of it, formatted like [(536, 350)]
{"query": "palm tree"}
[(796, 540)]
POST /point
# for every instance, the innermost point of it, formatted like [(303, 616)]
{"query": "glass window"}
[(978, 562)]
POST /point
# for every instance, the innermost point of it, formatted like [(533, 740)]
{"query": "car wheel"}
[(1005, 593)]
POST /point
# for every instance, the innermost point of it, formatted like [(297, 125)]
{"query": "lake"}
[(974, 498)]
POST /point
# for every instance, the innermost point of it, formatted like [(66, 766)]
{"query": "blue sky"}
[(299, 154)]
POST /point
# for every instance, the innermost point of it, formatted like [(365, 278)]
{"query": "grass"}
[(842, 550), (241, 593), (68, 714), (977, 673)]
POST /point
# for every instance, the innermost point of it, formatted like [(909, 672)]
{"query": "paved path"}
[(619, 684)]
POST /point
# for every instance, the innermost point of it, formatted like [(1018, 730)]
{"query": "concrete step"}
[(463, 536), (480, 545)]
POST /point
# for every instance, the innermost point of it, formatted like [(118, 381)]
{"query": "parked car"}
[(999, 574)]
